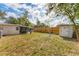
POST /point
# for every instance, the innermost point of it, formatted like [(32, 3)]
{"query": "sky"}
[(36, 11), (16, 10)]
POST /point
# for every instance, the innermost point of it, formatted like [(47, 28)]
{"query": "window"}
[(17, 28)]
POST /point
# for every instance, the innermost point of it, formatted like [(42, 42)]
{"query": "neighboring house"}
[(9, 29)]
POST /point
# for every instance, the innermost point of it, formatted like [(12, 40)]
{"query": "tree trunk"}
[(76, 30)]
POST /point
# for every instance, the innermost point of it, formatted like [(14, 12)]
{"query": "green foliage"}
[(12, 20), (69, 9), (22, 20), (2, 14)]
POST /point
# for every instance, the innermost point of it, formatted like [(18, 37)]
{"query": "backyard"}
[(37, 44)]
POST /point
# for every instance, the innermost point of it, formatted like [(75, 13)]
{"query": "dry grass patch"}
[(38, 44)]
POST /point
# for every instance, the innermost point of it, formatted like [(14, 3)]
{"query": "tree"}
[(2, 14), (23, 20), (39, 24), (12, 20), (69, 9)]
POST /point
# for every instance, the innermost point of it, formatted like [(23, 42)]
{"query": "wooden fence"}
[(54, 30)]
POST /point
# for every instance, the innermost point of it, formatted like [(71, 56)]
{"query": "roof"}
[(12, 25), (9, 24), (67, 25)]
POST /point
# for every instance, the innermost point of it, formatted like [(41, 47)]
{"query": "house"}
[(9, 29), (67, 30)]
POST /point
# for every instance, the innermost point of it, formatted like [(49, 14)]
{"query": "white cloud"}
[(40, 6), (34, 11), (23, 6), (11, 14), (14, 5)]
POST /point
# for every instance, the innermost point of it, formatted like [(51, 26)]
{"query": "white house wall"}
[(8, 30)]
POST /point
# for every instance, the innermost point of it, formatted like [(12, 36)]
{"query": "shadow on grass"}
[(14, 34), (70, 39)]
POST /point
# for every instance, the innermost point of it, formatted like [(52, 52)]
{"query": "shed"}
[(66, 30)]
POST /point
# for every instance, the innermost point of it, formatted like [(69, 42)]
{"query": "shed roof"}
[(67, 25)]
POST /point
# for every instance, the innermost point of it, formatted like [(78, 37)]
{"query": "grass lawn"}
[(36, 44)]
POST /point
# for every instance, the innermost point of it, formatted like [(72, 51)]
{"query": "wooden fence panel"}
[(54, 30)]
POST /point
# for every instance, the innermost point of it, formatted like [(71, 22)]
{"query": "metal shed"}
[(66, 30)]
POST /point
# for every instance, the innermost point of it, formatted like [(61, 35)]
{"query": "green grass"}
[(36, 44)]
